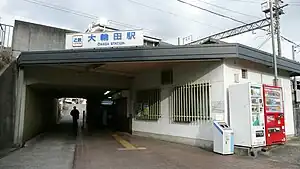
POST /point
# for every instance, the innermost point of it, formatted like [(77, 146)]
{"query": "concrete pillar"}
[(20, 108)]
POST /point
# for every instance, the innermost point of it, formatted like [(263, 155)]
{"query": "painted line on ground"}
[(126, 144), (126, 149)]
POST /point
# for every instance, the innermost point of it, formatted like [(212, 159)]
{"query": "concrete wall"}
[(198, 133), (262, 74), (40, 113), (34, 37), (7, 105)]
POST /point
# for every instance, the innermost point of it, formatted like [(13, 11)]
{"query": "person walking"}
[(75, 116)]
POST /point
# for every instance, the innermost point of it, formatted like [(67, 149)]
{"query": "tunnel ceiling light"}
[(106, 92), (109, 97)]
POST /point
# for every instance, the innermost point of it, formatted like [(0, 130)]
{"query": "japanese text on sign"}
[(106, 39)]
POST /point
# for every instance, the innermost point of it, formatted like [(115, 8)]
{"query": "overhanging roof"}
[(164, 53), (128, 54), (258, 56)]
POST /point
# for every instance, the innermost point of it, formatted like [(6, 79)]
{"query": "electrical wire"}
[(231, 18), (86, 15), (79, 13), (56, 7), (294, 4), (264, 42), (291, 3), (248, 1), (90, 16), (212, 12), (217, 6), (173, 14)]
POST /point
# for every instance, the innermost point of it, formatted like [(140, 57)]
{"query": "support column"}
[(20, 108)]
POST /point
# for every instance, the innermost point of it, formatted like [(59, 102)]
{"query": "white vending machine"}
[(223, 138), (246, 111)]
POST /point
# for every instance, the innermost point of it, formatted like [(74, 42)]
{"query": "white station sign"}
[(104, 39)]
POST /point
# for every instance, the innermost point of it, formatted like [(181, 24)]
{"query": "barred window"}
[(244, 73), (148, 104), (190, 103)]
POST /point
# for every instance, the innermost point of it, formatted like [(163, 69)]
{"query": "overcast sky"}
[(167, 19)]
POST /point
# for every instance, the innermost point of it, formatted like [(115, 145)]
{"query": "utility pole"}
[(294, 47), (295, 80), (278, 10), (273, 43)]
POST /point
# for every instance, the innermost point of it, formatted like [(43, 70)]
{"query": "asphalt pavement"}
[(61, 150), (54, 150)]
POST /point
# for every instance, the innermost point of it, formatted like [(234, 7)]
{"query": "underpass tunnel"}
[(113, 111), (43, 113), (44, 85)]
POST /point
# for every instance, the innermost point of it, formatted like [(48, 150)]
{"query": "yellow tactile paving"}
[(126, 144)]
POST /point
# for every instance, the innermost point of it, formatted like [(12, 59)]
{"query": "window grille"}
[(148, 104), (298, 85), (244, 73), (191, 102)]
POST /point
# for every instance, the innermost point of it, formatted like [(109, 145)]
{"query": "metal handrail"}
[(6, 32)]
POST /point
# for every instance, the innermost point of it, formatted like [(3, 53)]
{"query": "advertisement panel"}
[(104, 39)]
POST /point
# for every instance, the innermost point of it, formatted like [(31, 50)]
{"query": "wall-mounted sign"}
[(104, 39)]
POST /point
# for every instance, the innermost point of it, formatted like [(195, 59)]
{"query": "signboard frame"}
[(110, 39)]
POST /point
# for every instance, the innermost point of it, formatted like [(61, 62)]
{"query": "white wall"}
[(195, 72), (262, 74)]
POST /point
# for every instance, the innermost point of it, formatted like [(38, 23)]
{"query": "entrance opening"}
[(48, 108), (109, 113), (113, 92)]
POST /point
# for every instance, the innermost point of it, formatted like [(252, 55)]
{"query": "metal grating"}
[(191, 102), (6, 32), (148, 105)]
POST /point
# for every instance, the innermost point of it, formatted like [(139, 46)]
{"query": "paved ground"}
[(51, 151), (102, 151), (288, 153), (118, 151)]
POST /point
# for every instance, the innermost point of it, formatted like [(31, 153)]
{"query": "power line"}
[(248, 1), (292, 3), (231, 18), (212, 12), (56, 7), (86, 15), (173, 14), (79, 13), (264, 42), (217, 6)]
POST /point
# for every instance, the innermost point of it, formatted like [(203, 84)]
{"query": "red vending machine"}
[(274, 115)]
